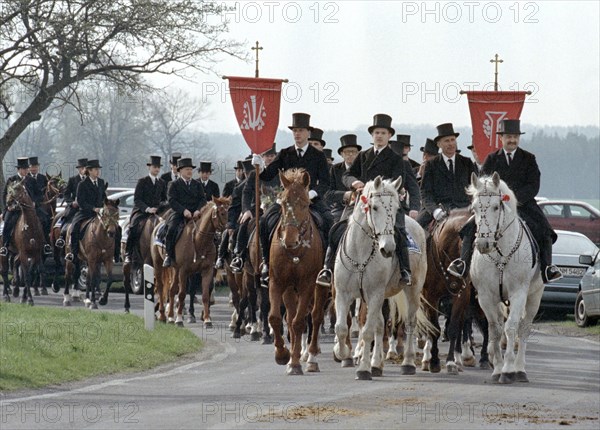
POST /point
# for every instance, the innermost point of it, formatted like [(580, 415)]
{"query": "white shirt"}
[(304, 148), (154, 178), (512, 155), (453, 158)]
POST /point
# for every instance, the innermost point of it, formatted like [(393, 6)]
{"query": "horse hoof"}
[(171, 321), (507, 378), (44, 291), (16, 292), (179, 323), (94, 305), (469, 362), (408, 370), (255, 337), (55, 288), (66, 304), (363, 375), (6, 298), (208, 324), (30, 302), (102, 301), (496, 378), (231, 327), (335, 358), (435, 367), (126, 311), (267, 339), (237, 334), (191, 319), (294, 370), (452, 369), (312, 367), (36, 292), (376, 371), (425, 366), (282, 358), (521, 377), (347, 362), (485, 365), (304, 357)]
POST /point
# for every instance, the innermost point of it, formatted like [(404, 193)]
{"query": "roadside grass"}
[(41, 346), (589, 330)]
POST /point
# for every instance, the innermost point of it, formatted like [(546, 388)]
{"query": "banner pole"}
[(257, 215)]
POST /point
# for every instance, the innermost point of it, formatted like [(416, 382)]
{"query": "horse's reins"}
[(501, 262), (214, 216), (302, 227), (441, 269)]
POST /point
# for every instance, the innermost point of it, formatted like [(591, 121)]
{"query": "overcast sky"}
[(348, 60)]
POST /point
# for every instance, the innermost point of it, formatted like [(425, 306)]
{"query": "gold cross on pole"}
[(256, 48), (496, 60)]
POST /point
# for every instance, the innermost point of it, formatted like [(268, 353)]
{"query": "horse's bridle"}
[(107, 219), (374, 235), (288, 218)]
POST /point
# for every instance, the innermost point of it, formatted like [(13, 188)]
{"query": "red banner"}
[(488, 108), (256, 106)]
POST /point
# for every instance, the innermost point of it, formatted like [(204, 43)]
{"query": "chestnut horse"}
[(296, 256), (27, 242), (195, 252), (97, 246)]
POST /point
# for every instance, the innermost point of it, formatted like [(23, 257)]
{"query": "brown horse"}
[(443, 247), (55, 188), (97, 246), (296, 257), (27, 242), (195, 252)]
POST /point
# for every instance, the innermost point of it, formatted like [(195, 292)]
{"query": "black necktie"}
[(95, 184), (188, 183), (300, 150), (450, 166), (509, 158)]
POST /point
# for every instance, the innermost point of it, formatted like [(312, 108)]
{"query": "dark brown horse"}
[(97, 246), (195, 252), (442, 248), (27, 242), (296, 257)]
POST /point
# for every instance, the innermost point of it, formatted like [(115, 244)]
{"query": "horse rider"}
[(519, 169), (234, 225), (173, 174), (338, 196), (239, 177), (186, 197), (430, 150), (299, 155), (315, 139), (210, 187), (91, 193), (69, 197), (42, 183), (149, 196), (12, 212), (380, 160), (445, 178), (269, 192), (405, 146)]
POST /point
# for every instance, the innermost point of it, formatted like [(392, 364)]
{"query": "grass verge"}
[(42, 346)]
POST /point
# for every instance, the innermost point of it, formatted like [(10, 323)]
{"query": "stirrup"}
[(47, 249), (60, 243), (324, 277), (457, 268), (3, 251), (551, 274), (236, 265), (69, 257), (405, 276)]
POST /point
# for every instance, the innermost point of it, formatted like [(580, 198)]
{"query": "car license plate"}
[(577, 272)]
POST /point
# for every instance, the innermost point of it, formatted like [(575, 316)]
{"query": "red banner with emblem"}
[(256, 105), (487, 109)]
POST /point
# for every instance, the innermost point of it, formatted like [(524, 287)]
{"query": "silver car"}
[(587, 304)]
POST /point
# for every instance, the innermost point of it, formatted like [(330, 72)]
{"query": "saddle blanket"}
[(412, 245), (160, 235)]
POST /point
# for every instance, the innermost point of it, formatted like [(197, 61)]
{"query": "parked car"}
[(587, 304), (561, 295), (125, 202), (573, 215)]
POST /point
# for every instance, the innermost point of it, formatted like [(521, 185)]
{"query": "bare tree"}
[(50, 46)]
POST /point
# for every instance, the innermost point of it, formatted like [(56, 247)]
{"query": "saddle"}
[(161, 234)]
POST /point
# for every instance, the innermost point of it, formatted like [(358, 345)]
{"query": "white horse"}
[(502, 271), (366, 267)]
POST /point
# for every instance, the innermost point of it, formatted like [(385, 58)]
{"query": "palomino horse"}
[(443, 247), (504, 269), (97, 246), (27, 242), (366, 267), (296, 257), (195, 252)]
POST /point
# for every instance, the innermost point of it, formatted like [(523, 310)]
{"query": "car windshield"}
[(575, 245)]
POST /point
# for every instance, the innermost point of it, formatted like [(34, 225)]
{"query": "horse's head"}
[(494, 205), (109, 216), (379, 204), (56, 186), (295, 215), (219, 212), (17, 195)]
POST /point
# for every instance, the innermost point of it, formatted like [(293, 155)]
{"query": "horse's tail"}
[(424, 326)]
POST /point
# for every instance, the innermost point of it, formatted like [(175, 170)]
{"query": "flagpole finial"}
[(256, 48), (495, 60)]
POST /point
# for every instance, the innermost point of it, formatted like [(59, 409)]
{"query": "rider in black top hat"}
[(172, 175), (69, 198), (239, 177)]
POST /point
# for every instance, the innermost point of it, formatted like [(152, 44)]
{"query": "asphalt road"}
[(236, 384)]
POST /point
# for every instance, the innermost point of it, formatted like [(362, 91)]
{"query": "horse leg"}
[(378, 345), (109, 280), (318, 316), (495, 320), (425, 363), (511, 327), (409, 316), (207, 278), (297, 315), (341, 351), (243, 304), (367, 335), (92, 284), (282, 354), (252, 306), (181, 292), (531, 309), (265, 306), (454, 331), (484, 359), (159, 288), (173, 289), (69, 268), (5, 282)]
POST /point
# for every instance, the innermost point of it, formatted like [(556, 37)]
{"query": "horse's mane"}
[(502, 189), (294, 174)]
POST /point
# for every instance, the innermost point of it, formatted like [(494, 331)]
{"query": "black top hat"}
[(397, 147), (23, 163), (272, 151), (175, 158), (300, 120), (91, 164), (33, 161), (81, 162), (247, 165), (317, 134), (328, 153), (430, 147), (404, 140), (509, 126), (184, 162), (205, 166), (239, 165), (445, 130), (154, 161), (382, 120), (348, 141)]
